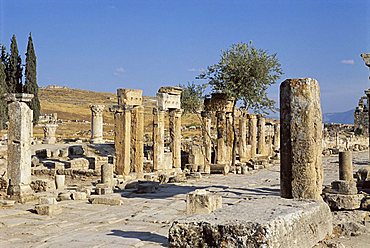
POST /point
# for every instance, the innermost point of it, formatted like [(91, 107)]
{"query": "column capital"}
[(366, 58), (96, 108)]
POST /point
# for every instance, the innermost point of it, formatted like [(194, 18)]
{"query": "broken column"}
[(158, 139), (221, 133), (175, 135), (19, 145), (49, 133), (107, 175), (137, 140), (301, 172), (207, 144), (366, 59), (252, 141), (345, 166), (243, 138), (261, 141), (97, 123)]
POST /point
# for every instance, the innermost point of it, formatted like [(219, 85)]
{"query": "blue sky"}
[(105, 45)]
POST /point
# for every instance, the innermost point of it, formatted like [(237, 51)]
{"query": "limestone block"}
[(64, 196), (167, 101), (75, 150), (103, 189), (202, 202), (48, 209), (343, 202), (79, 196), (130, 97), (47, 200), (42, 185), (78, 164), (170, 90), (301, 171), (106, 200), (279, 223), (60, 181), (147, 187), (344, 187), (35, 161), (7, 203)]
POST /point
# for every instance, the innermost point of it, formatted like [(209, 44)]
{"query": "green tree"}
[(3, 91), (30, 85), (192, 97), (244, 73), (14, 70)]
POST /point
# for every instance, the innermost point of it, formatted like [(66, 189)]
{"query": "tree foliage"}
[(192, 97), (245, 73), (30, 85), (14, 69)]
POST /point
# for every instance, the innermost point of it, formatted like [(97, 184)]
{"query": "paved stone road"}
[(144, 219)]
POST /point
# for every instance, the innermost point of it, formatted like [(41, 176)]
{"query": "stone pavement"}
[(144, 219)]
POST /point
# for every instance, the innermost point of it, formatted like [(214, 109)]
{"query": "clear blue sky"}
[(105, 45)]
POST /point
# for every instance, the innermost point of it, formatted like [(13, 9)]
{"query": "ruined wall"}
[(361, 117)]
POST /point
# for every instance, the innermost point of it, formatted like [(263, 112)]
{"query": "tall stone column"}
[(158, 139), (221, 133), (243, 138), (206, 133), (137, 140), (19, 144), (276, 138), (175, 135), (229, 137), (366, 59), (122, 138), (50, 133), (97, 123), (301, 171), (252, 141), (261, 141)]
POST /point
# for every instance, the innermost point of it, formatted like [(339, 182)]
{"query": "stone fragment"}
[(146, 187), (283, 223), (49, 133), (75, 151), (106, 200), (79, 196), (48, 209), (64, 196), (365, 203), (344, 187), (77, 164), (202, 202), (343, 202), (130, 97), (60, 181), (301, 172), (47, 200), (103, 189), (7, 203)]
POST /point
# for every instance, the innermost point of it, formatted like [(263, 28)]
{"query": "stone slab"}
[(343, 202), (106, 200), (277, 222), (48, 209)]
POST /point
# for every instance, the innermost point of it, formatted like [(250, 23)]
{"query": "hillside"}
[(346, 117)]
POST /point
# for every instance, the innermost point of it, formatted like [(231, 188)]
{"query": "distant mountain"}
[(339, 117)]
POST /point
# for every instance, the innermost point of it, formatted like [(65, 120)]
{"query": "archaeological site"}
[(251, 153)]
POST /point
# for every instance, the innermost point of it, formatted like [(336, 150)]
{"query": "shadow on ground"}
[(143, 236)]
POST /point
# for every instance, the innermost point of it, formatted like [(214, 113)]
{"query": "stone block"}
[(343, 202), (42, 185), (106, 200), (43, 153), (76, 150), (130, 97), (146, 187), (276, 222), (79, 196), (48, 209), (7, 203), (168, 101), (202, 202), (47, 200), (344, 187), (64, 196), (103, 189), (365, 203), (77, 164)]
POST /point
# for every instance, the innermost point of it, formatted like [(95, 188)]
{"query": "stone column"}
[(158, 139), (206, 133), (276, 138), (122, 138), (229, 137), (366, 58), (345, 166), (97, 123), (252, 141), (107, 175), (137, 140), (221, 131), (19, 145), (175, 135), (261, 141), (301, 171), (243, 138), (49, 133)]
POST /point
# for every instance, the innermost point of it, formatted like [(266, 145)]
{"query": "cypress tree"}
[(14, 69), (3, 91), (30, 85)]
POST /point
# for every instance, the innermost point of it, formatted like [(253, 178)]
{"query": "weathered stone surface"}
[(158, 139), (283, 223), (276, 138), (169, 98), (49, 133), (47, 200), (130, 97), (221, 137), (220, 168), (175, 135), (64, 196), (41, 185), (75, 151), (345, 166), (202, 202), (344, 187), (60, 181), (137, 140), (243, 157), (301, 172), (107, 175), (103, 189), (343, 202), (79, 196), (97, 123), (261, 141), (146, 187), (106, 200), (252, 136), (207, 144), (77, 164), (48, 209)]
